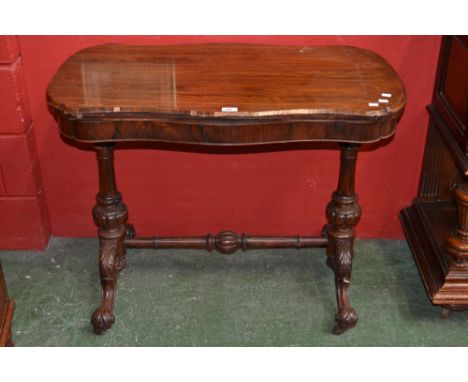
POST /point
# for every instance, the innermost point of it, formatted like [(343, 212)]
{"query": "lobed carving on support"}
[(227, 242)]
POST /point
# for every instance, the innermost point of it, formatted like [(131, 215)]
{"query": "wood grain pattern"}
[(177, 94)]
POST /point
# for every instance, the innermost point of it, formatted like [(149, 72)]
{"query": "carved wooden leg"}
[(343, 214), (110, 215)]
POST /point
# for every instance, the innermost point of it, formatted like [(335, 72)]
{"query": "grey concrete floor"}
[(195, 298)]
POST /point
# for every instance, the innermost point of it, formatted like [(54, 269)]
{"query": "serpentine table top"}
[(216, 93)]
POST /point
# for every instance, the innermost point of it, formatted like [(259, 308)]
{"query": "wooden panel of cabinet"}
[(451, 91), (455, 86), (436, 225)]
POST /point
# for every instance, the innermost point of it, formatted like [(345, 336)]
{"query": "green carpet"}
[(196, 298)]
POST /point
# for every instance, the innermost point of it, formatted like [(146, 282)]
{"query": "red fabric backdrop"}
[(172, 192)]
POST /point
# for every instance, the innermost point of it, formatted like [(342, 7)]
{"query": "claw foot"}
[(102, 320), (345, 319)]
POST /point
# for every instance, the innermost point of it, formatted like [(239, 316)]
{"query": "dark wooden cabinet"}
[(436, 225), (6, 313)]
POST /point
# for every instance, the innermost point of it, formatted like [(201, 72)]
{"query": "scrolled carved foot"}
[(102, 320), (345, 319)]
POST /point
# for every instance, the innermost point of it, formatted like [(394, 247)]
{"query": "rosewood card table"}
[(225, 95)]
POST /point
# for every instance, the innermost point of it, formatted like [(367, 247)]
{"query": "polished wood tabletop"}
[(218, 84)]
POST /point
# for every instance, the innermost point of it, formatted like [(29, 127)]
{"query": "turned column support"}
[(343, 214), (457, 242), (110, 215)]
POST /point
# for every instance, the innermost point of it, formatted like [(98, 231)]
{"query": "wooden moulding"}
[(227, 242), (445, 285)]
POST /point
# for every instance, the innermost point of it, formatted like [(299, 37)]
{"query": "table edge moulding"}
[(225, 95)]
